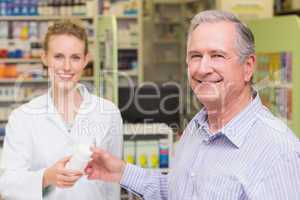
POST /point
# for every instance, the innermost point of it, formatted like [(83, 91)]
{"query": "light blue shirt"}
[(254, 156)]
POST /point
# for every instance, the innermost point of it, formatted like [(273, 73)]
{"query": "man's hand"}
[(105, 166), (59, 176)]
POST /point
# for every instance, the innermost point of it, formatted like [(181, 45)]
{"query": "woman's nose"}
[(67, 65)]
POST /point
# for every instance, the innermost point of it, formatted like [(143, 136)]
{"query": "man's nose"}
[(205, 66)]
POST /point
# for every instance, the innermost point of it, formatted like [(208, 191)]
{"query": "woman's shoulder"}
[(104, 103), (37, 105)]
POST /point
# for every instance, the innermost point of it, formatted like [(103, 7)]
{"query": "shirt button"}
[(206, 140)]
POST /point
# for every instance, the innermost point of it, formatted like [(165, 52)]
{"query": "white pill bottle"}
[(80, 158)]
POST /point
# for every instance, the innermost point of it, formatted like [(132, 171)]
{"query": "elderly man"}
[(234, 148)]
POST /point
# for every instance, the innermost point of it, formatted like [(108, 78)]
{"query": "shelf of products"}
[(20, 60), (127, 17), (37, 9), (284, 7), (163, 22), (23, 25), (148, 145), (42, 18), (246, 10), (130, 55), (166, 25), (277, 69), (165, 30)]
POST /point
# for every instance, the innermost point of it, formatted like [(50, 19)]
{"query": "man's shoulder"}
[(275, 133)]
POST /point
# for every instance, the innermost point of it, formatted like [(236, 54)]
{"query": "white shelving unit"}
[(132, 43), (153, 131), (37, 80), (41, 18), (140, 131), (20, 60), (122, 17)]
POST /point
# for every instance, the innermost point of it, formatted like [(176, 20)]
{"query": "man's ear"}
[(249, 67), (43, 57)]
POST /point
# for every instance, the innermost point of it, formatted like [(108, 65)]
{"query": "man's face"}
[(216, 74)]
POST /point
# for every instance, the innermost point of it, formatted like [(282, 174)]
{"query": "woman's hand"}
[(105, 166), (59, 176)]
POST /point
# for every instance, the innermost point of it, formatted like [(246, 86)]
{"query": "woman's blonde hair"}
[(67, 27)]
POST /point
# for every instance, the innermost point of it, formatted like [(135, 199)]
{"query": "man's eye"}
[(218, 56), (196, 56)]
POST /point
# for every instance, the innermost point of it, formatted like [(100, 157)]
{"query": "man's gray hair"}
[(245, 39)]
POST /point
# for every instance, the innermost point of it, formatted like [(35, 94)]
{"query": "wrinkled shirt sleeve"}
[(148, 184)]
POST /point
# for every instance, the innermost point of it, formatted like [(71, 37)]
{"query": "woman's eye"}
[(58, 56), (76, 58)]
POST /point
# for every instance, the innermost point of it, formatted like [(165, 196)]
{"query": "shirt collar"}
[(86, 106), (235, 130)]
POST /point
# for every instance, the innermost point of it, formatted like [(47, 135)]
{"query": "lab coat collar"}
[(87, 106)]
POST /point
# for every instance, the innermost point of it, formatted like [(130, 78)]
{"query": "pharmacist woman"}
[(41, 135)]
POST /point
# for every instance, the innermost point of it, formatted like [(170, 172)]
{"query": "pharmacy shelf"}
[(13, 80), (288, 12), (281, 85), (127, 17), (128, 73), (167, 62), (173, 1), (31, 40), (150, 132), (262, 85), (127, 47), (20, 60), (168, 42), (166, 22), (289, 27), (15, 100), (42, 18), (42, 80), (164, 170)]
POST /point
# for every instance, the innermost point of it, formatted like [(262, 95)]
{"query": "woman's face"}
[(66, 60)]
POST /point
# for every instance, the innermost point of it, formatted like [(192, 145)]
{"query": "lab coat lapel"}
[(52, 113), (87, 106)]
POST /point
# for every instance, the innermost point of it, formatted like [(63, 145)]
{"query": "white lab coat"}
[(36, 138)]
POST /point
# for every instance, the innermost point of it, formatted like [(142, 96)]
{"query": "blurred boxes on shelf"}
[(147, 153), (295, 4), (128, 8), (148, 145), (246, 10)]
